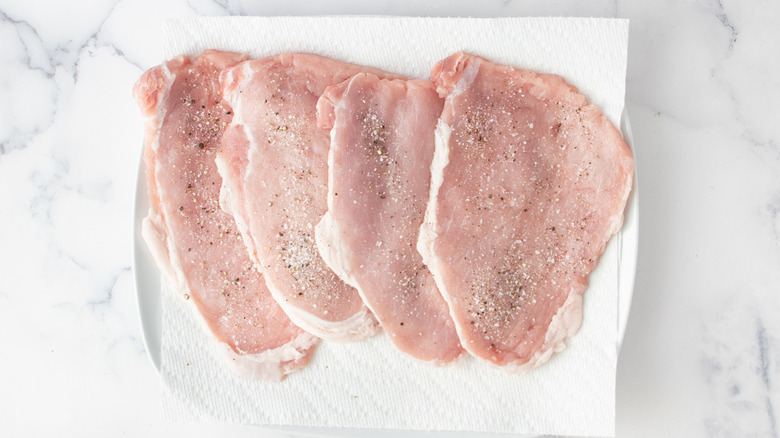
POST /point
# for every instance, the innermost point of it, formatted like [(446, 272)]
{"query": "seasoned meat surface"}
[(195, 243), (529, 183), (382, 141), (275, 183)]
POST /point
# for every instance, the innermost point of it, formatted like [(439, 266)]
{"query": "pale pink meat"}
[(529, 184), (382, 141), (275, 184), (195, 243)]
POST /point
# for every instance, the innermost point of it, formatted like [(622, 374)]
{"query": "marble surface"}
[(701, 355)]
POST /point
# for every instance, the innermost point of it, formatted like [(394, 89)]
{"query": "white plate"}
[(147, 275), (628, 240)]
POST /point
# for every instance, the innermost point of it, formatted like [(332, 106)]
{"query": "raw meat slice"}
[(529, 183), (194, 242), (275, 184), (379, 179)]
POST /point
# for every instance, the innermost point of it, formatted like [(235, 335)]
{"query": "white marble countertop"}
[(701, 355)]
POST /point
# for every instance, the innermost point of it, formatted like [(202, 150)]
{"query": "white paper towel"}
[(369, 384)]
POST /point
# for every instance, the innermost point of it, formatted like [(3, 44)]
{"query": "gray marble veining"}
[(702, 351)]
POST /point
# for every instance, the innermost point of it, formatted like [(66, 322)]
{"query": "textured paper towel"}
[(369, 384)]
